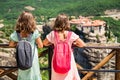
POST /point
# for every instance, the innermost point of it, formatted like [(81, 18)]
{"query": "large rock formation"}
[(90, 57), (93, 32)]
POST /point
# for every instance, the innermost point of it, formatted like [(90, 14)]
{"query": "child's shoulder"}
[(52, 32), (14, 33)]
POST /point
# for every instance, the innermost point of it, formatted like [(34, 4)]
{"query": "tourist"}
[(26, 25), (61, 27)]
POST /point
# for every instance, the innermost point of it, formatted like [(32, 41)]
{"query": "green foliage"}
[(10, 9), (73, 27), (7, 29), (45, 75), (113, 26), (44, 64), (1, 41)]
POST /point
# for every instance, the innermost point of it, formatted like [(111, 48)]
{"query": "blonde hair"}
[(26, 22), (61, 23)]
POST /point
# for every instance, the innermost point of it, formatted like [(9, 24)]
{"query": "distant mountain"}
[(45, 9), (10, 9)]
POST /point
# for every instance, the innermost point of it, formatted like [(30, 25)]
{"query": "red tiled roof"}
[(87, 22)]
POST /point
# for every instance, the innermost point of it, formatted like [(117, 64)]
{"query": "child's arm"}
[(78, 42), (12, 44), (39, 42), (46, 42)]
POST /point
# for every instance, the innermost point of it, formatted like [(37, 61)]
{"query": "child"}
[(62, 26), (25, 26)]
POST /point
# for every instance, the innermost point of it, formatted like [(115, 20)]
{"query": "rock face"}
[(114, 13), (7, 58), (1, 25), (30, 8), (90, 57), (92, 32)]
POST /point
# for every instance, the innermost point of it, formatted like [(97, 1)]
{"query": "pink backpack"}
[(62, 54)]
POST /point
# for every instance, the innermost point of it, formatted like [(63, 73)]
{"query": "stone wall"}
[(7, 58), (93, 34)]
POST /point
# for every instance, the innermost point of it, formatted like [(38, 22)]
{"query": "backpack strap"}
[(68, 36), (57, 37), (28, 38), (18, 35)]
